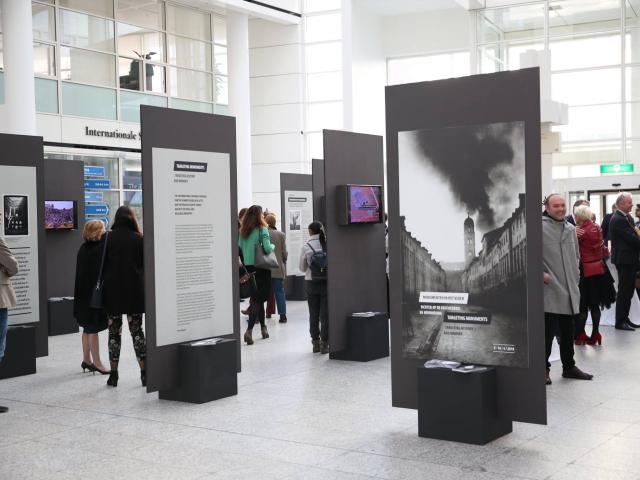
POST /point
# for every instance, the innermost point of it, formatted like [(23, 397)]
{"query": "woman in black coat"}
[(90, 319), (123, 290)]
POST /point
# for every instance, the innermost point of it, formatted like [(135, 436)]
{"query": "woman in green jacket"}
[(253, 229)]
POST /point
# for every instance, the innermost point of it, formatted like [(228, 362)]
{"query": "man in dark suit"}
[(605, 224), (570, 218), (625, 255)]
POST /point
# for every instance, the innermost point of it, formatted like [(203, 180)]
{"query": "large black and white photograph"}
[(16, 215), (463, 229)]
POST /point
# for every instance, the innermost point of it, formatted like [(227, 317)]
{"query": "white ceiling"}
[(403, 7)]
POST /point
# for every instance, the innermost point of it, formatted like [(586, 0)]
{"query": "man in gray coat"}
[(8, 268), (561, 266)]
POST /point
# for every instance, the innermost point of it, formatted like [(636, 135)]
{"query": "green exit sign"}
[(616, 168)]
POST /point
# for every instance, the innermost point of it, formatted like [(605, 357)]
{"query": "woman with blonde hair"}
[(91, 320)]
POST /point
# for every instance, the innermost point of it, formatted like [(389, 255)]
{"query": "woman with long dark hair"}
[(253, 231), (123, 290), (313, 264)]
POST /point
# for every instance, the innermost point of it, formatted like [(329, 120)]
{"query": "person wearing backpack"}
[(313, 262)]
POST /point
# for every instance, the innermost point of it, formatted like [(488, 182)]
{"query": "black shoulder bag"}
[(96, 294)]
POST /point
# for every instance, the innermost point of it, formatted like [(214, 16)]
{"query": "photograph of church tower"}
[(471, 224)]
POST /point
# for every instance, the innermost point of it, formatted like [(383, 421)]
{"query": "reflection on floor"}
[(302, 416)]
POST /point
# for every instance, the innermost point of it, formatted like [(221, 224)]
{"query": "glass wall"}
[(322, 32), (428, 67), (595, 61), (90, 56)]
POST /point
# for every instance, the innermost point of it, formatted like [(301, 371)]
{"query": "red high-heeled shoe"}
[(581, 339), (597, 338)]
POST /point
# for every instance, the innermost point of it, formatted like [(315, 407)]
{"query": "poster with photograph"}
[(18, 193), (298, 212), (464, 246), (16, 215)]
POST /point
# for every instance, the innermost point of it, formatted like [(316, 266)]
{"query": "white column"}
[(19, 111), (239, 100)]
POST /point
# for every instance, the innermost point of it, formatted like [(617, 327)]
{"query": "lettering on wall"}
[(130, 135)]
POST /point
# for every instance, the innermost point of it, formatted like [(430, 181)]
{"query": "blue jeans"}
[(4, 315), (277, 284)]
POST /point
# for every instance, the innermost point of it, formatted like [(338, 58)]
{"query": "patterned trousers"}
[(137, 335)]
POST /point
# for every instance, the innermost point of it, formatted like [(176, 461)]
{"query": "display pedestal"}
[(20, 354), (61, 321), (205, 373), (367, 338), (460, 407), (294, 288)]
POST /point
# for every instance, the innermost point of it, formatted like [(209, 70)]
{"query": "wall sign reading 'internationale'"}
[(192, 245)]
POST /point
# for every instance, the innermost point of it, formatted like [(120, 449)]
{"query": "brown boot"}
[(264, 331), (316, 346), (248, 338)]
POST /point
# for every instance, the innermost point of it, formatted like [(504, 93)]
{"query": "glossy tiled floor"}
[(300, 415)]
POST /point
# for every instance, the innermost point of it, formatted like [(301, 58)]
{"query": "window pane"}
[(219, 30), (222, 109), (320, 28), (589, 152), (103, 8), (583, 52), (324, 86), (490, 59), (632, 113), (587, 87), (515, 50), (220, 58), (598, 122), (632, 83), (87, 67), (191, 85), (324, 57), (1, 87), (191, 23), (134, 200), (130, 105), (44, 59), (149, 13), (46, 95), (82, 30), (87, 101), (155, 78), (431, 67), (140, 42), (321, 5), (222, 90), (632, 45), (324, 116), (568, 17), (191, 105), (185, 52), (526, 21), (315, 148), (132, 177), (130, 73), (633, 13), (44, 22)]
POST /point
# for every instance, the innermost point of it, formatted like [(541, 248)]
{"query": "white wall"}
[(276, 71), (426, 32)]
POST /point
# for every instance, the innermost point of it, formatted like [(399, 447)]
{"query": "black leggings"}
[(256, 312), (115, 336), (581, 321)]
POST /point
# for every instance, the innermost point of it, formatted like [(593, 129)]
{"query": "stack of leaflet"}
[(441, 364), (208, 341), (366, 314)]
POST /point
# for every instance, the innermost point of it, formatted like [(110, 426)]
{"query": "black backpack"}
[(318, 264)]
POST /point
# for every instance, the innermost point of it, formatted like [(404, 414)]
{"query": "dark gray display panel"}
[(463, 163), (27, 151), (356, 253), (319, 210), (205, 139)]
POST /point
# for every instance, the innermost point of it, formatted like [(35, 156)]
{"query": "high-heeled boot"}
[(143, 377), (581, 339), (113, 378), (264, 331), (248, 338), (596, 338)]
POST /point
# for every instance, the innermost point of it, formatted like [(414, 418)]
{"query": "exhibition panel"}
[(22, 192), (190, 225), (356, 252), (463, 160), (296, 205), (319, 206)]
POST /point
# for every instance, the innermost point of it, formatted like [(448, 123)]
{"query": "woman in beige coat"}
[(8, 268)]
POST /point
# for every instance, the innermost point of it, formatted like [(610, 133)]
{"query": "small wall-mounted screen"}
[(60, 215), (365, 204)]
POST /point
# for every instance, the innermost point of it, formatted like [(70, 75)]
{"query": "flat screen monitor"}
[(365, 203), (60, 215)]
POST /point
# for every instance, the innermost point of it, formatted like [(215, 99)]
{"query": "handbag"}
[(248, 284), (263, 260), (96, 294), (593, 269)]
